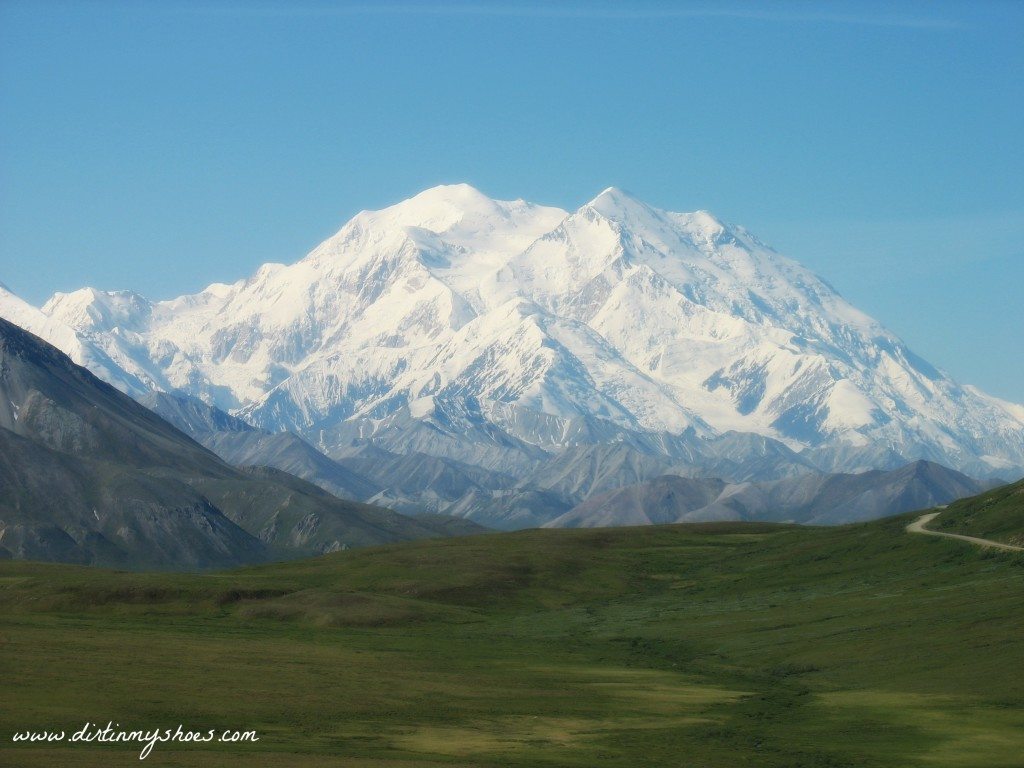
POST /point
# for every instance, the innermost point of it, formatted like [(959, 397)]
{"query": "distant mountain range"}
[(811, 499), (88, 475), (521, 365), (586, 487)]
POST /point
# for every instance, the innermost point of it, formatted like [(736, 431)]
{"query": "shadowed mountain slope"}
[(242, 444), (88, 475)]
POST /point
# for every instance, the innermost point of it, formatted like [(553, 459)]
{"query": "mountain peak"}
[(618, 204), (438, 209), (89, 308), (467, 220), (614, 200), (462, 195)]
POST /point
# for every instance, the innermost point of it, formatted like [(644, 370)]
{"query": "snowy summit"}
[(492, 331)]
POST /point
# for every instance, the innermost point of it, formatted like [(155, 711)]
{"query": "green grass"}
[(705, 645), (997, 515)]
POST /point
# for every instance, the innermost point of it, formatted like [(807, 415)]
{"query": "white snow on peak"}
[(612, 200), (68, 340), (625, 209), (20, 312), (87, 307), (451, 308), (460, 215)]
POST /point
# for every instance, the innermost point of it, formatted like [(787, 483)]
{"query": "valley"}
[(707, 644)]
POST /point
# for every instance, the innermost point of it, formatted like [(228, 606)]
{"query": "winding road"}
[(918, 526)]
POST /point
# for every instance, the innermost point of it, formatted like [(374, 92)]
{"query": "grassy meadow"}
[(699, 645)]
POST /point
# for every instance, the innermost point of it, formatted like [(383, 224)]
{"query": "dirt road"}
[(918, 526)]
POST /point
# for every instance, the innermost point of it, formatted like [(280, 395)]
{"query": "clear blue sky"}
[(164, 146)]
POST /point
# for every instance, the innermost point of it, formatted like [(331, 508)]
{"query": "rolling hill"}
[(998, 514), (728, 644)]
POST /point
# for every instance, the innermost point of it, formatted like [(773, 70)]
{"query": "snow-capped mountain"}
[(498, 332), (67, 339)]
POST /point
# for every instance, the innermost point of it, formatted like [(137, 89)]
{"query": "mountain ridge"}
[(808, 499), (445, 323)]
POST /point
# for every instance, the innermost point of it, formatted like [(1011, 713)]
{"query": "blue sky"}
[(162, 147)]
